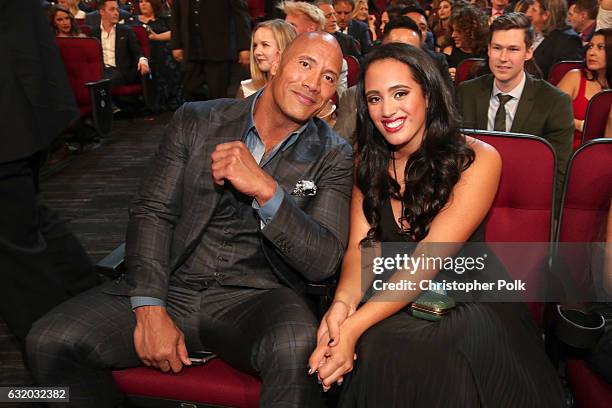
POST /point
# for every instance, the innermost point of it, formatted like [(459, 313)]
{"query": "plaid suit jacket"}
[(306, 239)]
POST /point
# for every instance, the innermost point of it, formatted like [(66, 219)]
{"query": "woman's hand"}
[(339, 359), (337, 313)]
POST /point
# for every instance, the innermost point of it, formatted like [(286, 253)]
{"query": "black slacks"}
[(270, 333), (212, 79), (41, 262)]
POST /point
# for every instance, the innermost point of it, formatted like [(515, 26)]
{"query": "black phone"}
[(201, 357)]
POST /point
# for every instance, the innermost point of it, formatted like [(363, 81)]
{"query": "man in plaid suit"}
[(245, 203)]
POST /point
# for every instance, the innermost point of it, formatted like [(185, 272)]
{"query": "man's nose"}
[(312, 81)]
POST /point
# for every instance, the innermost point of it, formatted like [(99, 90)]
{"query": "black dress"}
[(478, 355), (165, 70)]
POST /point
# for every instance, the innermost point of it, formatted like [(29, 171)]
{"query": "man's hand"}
[(177, 55), (244, 57), (157, 340), (143, 66), (234, 162)]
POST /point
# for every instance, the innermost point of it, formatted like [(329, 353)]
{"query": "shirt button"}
[(195, 12)]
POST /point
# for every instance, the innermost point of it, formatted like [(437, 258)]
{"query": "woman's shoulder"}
[(486, 157)]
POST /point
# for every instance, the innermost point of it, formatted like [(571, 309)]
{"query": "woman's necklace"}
[(400, 220)]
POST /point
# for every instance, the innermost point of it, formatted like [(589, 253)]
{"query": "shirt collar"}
[(102, 28), (288, 141), (516, 92)]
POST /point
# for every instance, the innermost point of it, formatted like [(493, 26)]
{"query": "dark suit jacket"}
[(36, 101), (543, 111), (306, 239), (127, 51), (347, 44), (93, 19), (225, 28), (360, 31), (559, 45)]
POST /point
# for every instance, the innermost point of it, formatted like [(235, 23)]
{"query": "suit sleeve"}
[(176, 42), (346, 115), (242, 21), (154, 213), (463, 100), (313, 242), (365, 41), (559, 132)]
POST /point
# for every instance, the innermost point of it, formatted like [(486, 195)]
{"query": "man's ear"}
[(529, 53)]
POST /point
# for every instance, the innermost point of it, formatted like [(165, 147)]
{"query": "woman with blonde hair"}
[(73, 7), (269, 40), (362, 13)]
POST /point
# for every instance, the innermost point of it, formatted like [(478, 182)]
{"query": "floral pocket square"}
[(304, 188)]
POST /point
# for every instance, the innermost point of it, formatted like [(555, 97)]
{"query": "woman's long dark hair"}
[(432, 170), (74, 27), (593, 75)]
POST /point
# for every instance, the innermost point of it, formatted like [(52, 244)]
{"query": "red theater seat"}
[(353, 70), (560, 69), (523, 208), (586, 201), (465, 70), (82, 59), (597, 115), (215, 383)]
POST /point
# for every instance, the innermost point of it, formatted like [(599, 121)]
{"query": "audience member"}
[(347, 43), (440, 23), (581, 17), (362, 13), (167, 79), (469, 33), (42, 262), (349, 26), (305, 18), (269, 40), (418, 180), (92, 18), (604, 15), (401, 30), (63, 22), (511, 100), (123, 59), (498, 8), (246, 202), (419, 16), (555, 40), (209, 37), (73, 7), (582, 84)]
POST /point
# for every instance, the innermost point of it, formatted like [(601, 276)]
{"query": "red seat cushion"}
[(589, 389), (214, 383), (126, 90)]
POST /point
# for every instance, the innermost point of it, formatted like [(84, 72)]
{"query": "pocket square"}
[(304, 188)]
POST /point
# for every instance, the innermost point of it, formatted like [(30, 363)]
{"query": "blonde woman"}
[(362, 13), (72, 6), (269, 40)]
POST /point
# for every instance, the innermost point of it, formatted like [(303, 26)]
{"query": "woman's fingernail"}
[(330, 342), (310, 370)]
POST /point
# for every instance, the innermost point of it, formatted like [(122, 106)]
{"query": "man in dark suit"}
[(511, 100), (400, 29), (209, 37), (41, 262), (123, 59), (349, 26), (218, 254), (92, 18), (347, 43)]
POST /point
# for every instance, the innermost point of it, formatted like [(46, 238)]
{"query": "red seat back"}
[(586, 200), (353, 69), (597, 115), (257, 9), (560, 69), (82, 59), (523, 207), (464, 70), (143, 39)]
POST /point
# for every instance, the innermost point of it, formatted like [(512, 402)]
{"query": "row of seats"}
[(83, 62), (522, 212)]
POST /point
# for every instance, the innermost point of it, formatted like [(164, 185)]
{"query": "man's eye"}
[(305, 64)]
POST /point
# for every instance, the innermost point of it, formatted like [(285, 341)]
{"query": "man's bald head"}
[(307, 75)]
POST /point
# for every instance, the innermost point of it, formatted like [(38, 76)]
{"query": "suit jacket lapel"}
[(225, 125), (482, 102), (524, 107)]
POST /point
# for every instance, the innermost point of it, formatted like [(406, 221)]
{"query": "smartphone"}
[(201, 357)]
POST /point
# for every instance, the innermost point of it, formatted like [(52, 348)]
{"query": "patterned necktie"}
[(500, 116)]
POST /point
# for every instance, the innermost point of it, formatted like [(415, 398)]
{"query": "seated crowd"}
[(266, 182)]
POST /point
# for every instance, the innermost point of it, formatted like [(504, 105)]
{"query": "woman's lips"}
[(393, 125)]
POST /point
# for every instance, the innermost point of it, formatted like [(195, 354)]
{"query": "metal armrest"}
[(101, 104), (113, 264)]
